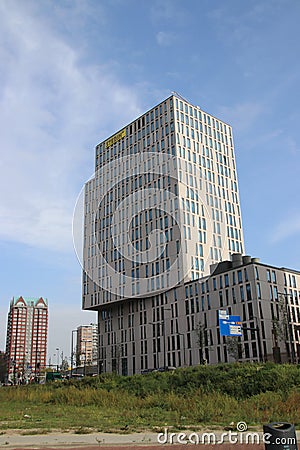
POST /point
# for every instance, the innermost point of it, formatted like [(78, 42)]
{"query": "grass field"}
[(193, 397)]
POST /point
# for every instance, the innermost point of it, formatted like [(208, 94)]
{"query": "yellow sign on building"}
[(117, 137)]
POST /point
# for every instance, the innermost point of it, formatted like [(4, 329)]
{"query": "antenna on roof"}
[(180, 96)]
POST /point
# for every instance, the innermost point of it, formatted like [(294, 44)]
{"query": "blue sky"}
[(73, 72)]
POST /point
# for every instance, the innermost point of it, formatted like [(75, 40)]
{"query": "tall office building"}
[(162, 207), (26, 343)]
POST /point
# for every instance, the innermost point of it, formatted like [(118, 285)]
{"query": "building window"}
[(219, 354), (247, 353), (273, 276), (248, 292), (187, 309), (214, 284), (221, 299), (250, 311), (233, 296), (226, 280), (240, 278), (242, 294), (258, 290), (208, 302), (221, 282)]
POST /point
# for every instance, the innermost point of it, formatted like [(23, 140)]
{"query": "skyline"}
[(72, 75)]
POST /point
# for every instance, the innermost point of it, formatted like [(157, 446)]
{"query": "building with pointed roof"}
[(26, 343)]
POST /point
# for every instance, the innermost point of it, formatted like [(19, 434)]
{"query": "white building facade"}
[(161, 210), (87, 345), (162, 206)]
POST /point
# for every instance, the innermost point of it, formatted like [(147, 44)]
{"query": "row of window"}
[(198, 114)]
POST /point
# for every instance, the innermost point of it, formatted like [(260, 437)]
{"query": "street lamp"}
[(259, 340), (57, 349), (72, 350), (164, 336), (37, 368), (256, 329), (85, 342)]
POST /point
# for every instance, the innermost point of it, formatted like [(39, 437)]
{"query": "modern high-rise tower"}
[(26, 343), (162, 207)]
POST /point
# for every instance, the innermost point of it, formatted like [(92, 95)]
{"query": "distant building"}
[(26, 343), (87, 345)]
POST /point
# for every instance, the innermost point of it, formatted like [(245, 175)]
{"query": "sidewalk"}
[(75, 440), (115, 441)]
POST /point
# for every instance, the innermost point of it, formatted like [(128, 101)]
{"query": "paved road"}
[(160, 447)]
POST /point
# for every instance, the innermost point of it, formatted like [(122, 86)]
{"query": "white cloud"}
[(53, 110), (287, 228), (168, 10), (242, 115), (164, 38), (293, 146)]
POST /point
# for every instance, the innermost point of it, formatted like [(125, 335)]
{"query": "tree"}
[(202, 339), (64, 365), (78, 360), (3, 367), (280, 329), (117, 353), (234, 347), (280, 323)]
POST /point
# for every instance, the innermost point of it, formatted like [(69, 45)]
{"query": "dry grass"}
[(148, 403)]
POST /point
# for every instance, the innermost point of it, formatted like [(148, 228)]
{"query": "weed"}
[(195, 396), (83, 430)]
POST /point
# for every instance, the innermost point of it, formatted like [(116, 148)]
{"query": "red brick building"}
[(26, 343)]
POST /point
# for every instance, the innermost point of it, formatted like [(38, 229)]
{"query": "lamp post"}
[(72, 350), (96, 354), (85, 342), (37, 369), (256, 329), (15, 347), (57, 349), (38, 365), (164, 335), (26, 367)]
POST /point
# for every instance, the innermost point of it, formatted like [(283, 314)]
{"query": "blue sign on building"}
[(229, 325)]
